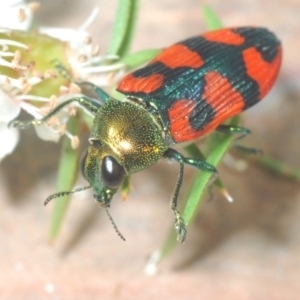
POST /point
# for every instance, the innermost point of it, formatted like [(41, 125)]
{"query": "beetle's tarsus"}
[(179, 226)]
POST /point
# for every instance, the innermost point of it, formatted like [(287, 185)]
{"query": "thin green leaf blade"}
[(67, 174), (123, 27), (125, 188), (211, 19), (218, 146), (137, 59), (193, 151), (279, 168)]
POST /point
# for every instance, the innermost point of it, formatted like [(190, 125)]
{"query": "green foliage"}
[(67, 174), (123, 28), (211, 19), (137, 59)]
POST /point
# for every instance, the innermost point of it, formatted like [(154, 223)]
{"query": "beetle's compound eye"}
[(82, 162), (112, 172)]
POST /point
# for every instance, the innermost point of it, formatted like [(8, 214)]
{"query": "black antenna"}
[(115, 226), (60, 194)]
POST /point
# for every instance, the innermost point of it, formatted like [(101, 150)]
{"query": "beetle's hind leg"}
[(242, 131)]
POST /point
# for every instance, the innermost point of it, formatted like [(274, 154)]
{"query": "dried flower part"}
[(53, 121), (88, 40), (75, 142), (53, 101), (50, 74), (226, 194), (38, 74), (96, 51), (17, 14), (62, 129), (63, 90), (34, 6), (74, 88), (72, 111), (22, 15)]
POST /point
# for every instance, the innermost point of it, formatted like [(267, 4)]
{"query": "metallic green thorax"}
[(127, 132), (125, 138)]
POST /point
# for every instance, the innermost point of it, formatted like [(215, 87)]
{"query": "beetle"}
[(184, 93)]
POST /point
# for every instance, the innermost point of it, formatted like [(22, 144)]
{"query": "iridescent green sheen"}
[(128, 133)]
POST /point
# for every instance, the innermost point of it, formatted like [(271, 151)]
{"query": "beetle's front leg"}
[(89, 104), (173, 155)]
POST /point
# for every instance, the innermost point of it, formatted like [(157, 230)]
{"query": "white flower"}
[(20, 90), (14, 14), (17, 14), (85, 58), (9, 110), (15, 94)]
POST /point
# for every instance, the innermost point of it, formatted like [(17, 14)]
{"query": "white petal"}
[(45, 133), (9, 109), (92, 17), (76, 36), (9, 4), (9, 138), (65, 34), (9, 17)]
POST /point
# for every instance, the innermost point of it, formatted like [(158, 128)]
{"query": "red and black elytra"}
[(184, 93), (200, 82)]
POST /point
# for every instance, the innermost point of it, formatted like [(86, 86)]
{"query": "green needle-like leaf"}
[(125, 188), (218, 145), (279, 168), (193, 151), (123, 28), (211, 19), (137, 59), (67, 174)]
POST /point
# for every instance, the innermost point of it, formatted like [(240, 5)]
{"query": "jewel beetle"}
[(187, 91)]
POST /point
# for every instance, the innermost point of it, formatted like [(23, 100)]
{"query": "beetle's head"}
[(104, 173), (101, 168)]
